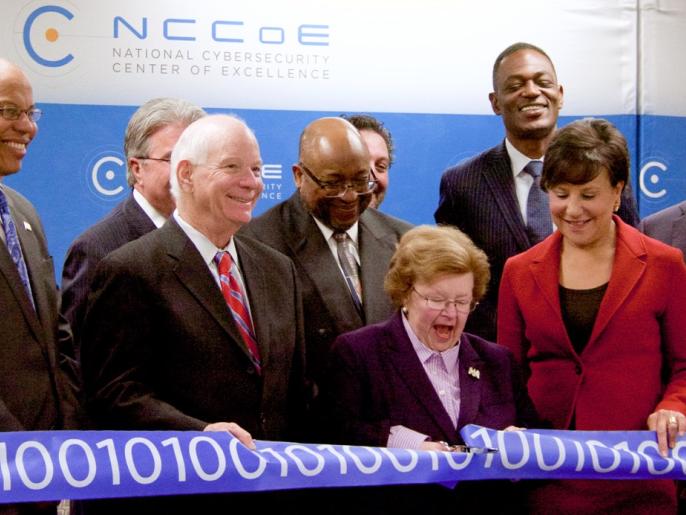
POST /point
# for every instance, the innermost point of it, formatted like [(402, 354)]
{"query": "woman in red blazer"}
[(596, 315)]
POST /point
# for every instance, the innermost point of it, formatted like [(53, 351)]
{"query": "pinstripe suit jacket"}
[(478, 197), (125, 223)]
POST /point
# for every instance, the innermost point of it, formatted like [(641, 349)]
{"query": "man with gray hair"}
[(150, 137), (192, 328)]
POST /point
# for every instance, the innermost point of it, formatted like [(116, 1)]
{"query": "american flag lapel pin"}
[(475, 373)]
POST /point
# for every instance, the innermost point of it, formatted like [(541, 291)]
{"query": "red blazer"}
[(618, 379)]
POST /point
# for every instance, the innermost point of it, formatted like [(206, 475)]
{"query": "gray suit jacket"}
[(125, 223), (668, 226), (290, 229)]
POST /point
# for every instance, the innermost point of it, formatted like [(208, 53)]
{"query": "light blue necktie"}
[(538, 222), (13, 245), (350, 268)]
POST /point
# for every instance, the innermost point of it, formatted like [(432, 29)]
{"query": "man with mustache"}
[(494, 197), (34, 394), (334, 188)]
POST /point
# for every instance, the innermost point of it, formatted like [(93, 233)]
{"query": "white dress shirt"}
[(208, 250)]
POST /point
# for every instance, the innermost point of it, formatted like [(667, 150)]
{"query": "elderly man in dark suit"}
[(33, 393), (334, 189), (166, 346), (668, 226), (150, 137), (495, 197)]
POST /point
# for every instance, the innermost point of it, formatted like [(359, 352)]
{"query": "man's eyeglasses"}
[(338, 189), (163, 159), (461, 306), (12, 113)]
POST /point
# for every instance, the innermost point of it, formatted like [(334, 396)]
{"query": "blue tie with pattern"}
[(538, 222), (13, 246), (350, 268)]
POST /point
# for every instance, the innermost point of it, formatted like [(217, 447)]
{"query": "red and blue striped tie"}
[(235, 299)]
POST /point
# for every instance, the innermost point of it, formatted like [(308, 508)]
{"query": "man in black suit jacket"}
[(161, 349), (668, 226), (33, 391), (150, 136), (486, 196), (333, 160)]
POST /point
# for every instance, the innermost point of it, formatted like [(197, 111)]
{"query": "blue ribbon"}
[(37, 466)]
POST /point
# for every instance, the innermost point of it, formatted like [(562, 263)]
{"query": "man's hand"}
[(236, 430)]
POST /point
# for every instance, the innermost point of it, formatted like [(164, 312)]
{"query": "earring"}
[(404, 310)]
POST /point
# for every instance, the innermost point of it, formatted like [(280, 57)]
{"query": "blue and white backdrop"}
[(423, 67)]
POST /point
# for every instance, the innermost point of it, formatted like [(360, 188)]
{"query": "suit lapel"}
[(545, 270), (312, 253), (194, 275), (9, 270), (498, 176), (629, 265), (376, 249), (255, 283), (470, 383), (139, 223), (406, 363), (32, 252)]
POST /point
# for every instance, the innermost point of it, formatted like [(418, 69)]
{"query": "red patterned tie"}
[(235, 299)]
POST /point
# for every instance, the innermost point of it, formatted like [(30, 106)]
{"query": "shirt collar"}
[(327, 231), (424, 353), (518, 160), (206, 248), (157, 218)]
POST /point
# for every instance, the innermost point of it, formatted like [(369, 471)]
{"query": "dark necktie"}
[(235, 299), (13, 245), (350, 269), (538, 222)]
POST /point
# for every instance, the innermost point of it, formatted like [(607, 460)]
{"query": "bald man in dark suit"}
[(334, 191)]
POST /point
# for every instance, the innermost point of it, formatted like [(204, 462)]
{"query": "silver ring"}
[(672, 421)]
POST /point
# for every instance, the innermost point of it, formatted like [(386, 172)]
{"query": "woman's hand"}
[(434, 446), (668, 424), (236, 430)]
